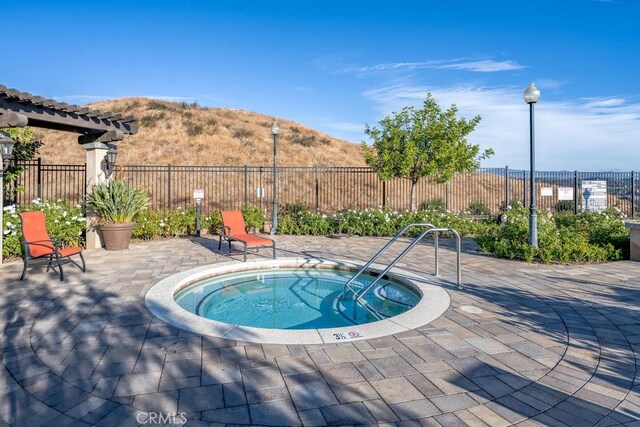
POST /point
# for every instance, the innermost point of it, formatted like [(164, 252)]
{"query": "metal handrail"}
[(433, 229), (360, 294), (384, 248)]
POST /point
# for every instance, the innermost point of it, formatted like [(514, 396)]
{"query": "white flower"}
[(67, 222), (7, 232)]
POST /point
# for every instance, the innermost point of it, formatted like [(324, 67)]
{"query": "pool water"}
[(293, 299)]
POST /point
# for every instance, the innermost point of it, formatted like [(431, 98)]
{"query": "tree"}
[(426, 142), (25, 148)]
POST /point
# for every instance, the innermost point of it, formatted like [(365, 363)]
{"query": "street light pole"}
[(531, 96), (6, 155), (274, 224)]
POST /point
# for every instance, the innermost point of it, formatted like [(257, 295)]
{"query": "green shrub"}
[(295, 209), (434, 204), (253, 217), (295, 219), (212, 222), (565, 205), (65, 223), (182, 222), (563, 237), (148, 225), (479, 208)]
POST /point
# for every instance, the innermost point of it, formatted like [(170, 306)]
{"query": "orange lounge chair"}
[(37, 244), (235, 229)]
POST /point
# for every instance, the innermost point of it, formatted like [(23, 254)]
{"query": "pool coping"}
[(159, 299)]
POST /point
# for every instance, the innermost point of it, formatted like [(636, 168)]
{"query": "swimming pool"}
[(293, 301), (304, 298)]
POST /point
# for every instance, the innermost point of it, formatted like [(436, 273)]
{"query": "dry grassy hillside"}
[(185, 134)]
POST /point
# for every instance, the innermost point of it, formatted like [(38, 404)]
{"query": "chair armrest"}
[(226, 231), (39, 241)]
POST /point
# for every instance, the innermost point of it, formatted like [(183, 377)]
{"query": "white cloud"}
[(345, 129), (604, 102), (485, 66), (480, 66), (590, 134)]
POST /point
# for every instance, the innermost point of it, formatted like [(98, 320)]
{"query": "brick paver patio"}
[(553, 345)]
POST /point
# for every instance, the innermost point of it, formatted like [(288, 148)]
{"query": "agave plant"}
[(116, 201)]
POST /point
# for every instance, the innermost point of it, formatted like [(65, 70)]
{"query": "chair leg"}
[(84, 266), (229, 241), (274, 251), (60, 267), (49, 265), (24, 270), (245, 252), (220, 243)]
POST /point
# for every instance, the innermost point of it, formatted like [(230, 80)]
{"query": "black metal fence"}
[(46, 181), (329, 189)]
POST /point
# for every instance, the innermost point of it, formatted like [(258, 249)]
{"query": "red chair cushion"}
[(34, 230), (233, 223), (73, 250), (252, 240)]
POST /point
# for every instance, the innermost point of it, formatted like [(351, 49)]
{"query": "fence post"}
[(524, 188), (246, 186), (384, 194), (506, 187), (447, 195), (169, 186), (575, 192), (261, 196), (317, 190), (39, 178), (633, 195)]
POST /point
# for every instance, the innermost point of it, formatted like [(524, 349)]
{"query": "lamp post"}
[(531, 96), (274, 224), (6, 152)]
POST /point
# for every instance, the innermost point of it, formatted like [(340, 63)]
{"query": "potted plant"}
[(116, 203)]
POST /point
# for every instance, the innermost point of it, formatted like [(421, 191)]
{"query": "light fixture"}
[(6, 153), (532, 94), (6, 150), (110, 158)]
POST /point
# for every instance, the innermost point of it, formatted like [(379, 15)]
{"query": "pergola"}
[(98, 131)]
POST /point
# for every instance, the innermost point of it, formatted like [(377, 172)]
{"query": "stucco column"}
[(96, 152)]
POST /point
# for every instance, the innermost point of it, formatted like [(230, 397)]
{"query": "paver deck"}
[(553, 345)]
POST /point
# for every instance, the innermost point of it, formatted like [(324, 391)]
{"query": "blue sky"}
[(335, 65)]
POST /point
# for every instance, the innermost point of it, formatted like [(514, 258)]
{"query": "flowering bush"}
[(373, 222), (182, 222), (563, 237), (65, 224)]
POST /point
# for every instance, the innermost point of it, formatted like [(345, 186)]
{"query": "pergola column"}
[(96, 152)]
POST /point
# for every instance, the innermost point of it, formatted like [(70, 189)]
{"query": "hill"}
[(187, 134)]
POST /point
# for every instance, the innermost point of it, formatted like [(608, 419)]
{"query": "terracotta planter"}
[(116, 237)]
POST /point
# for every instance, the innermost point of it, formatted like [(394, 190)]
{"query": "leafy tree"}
[(426, 142), (25, 148)]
